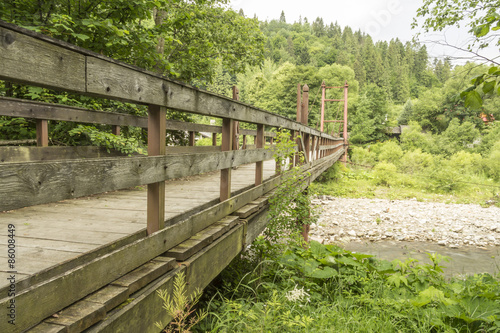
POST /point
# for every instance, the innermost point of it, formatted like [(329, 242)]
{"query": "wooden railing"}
[(35, 59), (46, 176)]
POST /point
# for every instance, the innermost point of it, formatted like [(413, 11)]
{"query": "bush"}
[(385, 174), (363, 156), (391, 152), (469, 163), (415, 161), (412, 138), (492, 163)]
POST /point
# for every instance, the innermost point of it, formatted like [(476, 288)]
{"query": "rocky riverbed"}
[(344, 220)]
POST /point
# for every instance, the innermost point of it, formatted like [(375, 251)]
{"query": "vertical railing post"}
[(323, 94), (236, 124), (191, 138), (244, 145), (304, 120), (259, 143), (226, 145), (344, 157), (298, 119), (42, 133), (156, 146), (115, 129), (214, 139)]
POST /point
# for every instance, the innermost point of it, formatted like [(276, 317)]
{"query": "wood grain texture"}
[(108, 78), (28, 60), (25, 184), (30, 154)]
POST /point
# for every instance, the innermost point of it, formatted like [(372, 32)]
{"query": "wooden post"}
[(323, 94), (115, 129), (214, 139), (298, 119), (156, 146), (42, 133), (259, 166), (344, 157), (244, 146), (191, 138), (236, 124), (304, 120), (226, 145)]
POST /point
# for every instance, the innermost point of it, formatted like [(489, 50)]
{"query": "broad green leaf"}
[(473, 100), (489, 86)]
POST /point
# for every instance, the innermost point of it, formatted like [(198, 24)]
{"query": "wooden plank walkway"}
[(51, 234)]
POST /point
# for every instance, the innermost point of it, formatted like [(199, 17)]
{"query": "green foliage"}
[(415, 161), (390, 152), (413, 138), (385, 174), (363, 156), (406, 115), (290, 205), (17, 128), (320, 287), (182, 39), (367, 120), (180, 307), (483, 20), (109, 141)]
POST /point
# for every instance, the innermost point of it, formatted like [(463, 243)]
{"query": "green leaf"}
[(473, 100), (80, 36), (489, 86), (492, 70), (324, 273)]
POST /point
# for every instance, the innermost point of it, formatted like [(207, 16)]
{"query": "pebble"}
[(451, 225)]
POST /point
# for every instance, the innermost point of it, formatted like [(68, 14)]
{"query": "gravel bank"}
[(451, 225)]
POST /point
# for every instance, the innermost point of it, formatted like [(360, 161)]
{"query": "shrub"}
[(391, 152), (492, 163), (363, 156), (470, 163), (412, 138), (385, 174), (415, 161)]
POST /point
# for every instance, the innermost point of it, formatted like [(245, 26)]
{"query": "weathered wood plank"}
[(79, 316), (28, 60), (24, 184), (144, 274), (13, 107), (110, 296), (30, 154), (246, 210), (327, 147), (146, 309), (48, 328), (201, 239), (109, 78), (90, 276)]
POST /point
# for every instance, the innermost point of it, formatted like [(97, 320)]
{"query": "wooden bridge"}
[(88, 237)]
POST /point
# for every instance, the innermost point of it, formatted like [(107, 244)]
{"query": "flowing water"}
[(463, 261)]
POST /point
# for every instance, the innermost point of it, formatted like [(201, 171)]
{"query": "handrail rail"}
[(14, 107), (91, 74), (31, 58)]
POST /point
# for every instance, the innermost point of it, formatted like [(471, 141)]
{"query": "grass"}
[(359, 183), (324, 288)]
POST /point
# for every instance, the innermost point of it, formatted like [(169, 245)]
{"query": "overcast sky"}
[(381, 19)]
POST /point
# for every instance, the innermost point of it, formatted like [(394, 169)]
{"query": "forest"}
[(449, 148)]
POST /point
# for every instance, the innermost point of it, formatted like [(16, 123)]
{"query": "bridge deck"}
[(51, 234)]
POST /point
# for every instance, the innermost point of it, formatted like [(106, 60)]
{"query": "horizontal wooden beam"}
[(32, 183), (325, 147), (13, 107), (45, 298), (70, 68)]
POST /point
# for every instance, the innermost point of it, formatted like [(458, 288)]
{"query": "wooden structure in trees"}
[(91, 236), (343, 121)]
